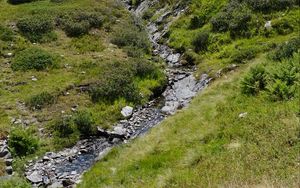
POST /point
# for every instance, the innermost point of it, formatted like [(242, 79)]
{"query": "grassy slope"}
[(208, 145)]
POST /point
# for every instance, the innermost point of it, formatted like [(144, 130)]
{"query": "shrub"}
[(234, 17), (242, 55), (21, 142), (197, 22), (63, 127), (116, 82), (130, 36), (201, 41), (145, 68), (280, 90), (285, 50), (41, 100), (270, 5), (87, 43), (79, 22), (255, 81), (76, 29), (283, 26), (15, 2), (85, 123), (32, 58), (6, 34), (36, 27)]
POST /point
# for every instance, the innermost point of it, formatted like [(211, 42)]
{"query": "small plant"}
[(76, 29), (255, 81), (21, 142), (41, 100), (280, 90), (85, 123), (201, 42), (242, 55), (36, 27), (6, 34), (285, 50), (197, 22), (32, 58), (270, 5)]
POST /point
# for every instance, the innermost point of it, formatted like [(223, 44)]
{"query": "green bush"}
[(36, 27), (285, 50), (243, 54), (6, 34), (255, 81), (280, 90), (63, 127), (32, 58), (21, 142), (270, 5), (235, 17), (201, 41), (84, 123), (116, 82), (79, 22), (15, 2), (130, 36), (76, 29), (41, 100), (197, 22)]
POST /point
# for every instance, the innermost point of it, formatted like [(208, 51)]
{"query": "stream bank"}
[(64, 168)]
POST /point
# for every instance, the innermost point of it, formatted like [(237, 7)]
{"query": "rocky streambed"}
[(64, 168)]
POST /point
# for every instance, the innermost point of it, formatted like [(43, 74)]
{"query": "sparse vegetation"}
[(40, 100)]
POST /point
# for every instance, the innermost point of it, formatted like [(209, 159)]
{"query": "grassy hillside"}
[(243, 130), (66, 61)]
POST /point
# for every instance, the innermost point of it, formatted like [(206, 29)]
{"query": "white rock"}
[(268, 25), (35, 177), (127, 111), (243, 115)]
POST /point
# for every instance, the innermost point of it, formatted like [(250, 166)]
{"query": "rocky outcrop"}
[(6, 156)]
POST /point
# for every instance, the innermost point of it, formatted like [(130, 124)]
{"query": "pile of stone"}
[(6, 156)]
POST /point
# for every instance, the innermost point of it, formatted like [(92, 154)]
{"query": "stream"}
[(65, 168)]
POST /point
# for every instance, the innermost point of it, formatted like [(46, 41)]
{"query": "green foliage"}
[(285, 50), (14, 182), (270, 5), (131, 37), (84, 123), (87, 43), (279, 90), (6, 34), (116, 82), (36, 27), (201, 41), (21, 142), (79, 22), (235, 17), (197, 21), (243, 54), (41, 100), (76, 29), (32, 58), (254, 81), (63, 127)]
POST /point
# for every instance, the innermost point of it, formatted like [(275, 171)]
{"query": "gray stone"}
[(35, 177), (8, 162), (4, 152), (9, 170), (127, 111)]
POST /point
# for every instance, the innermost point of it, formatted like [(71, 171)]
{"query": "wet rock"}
[(127, 111)]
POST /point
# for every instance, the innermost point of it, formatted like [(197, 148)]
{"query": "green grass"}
[(208, 145)]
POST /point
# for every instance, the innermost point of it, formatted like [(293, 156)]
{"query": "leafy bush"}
[(285, 50), (21, 142), (242, 55), (6, 34), (41, 100), (270, 5), (76, 29), (255, 81), (36, 27), (15, 2), (32, 58), (78, 23), (201, 41), (235, 17), (85, 123), (116, 82), (279, 90), (130, 36), (283, 26), (63, 127), (197, 22)]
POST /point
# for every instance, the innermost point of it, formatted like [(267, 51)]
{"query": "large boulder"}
[(127, 111)]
